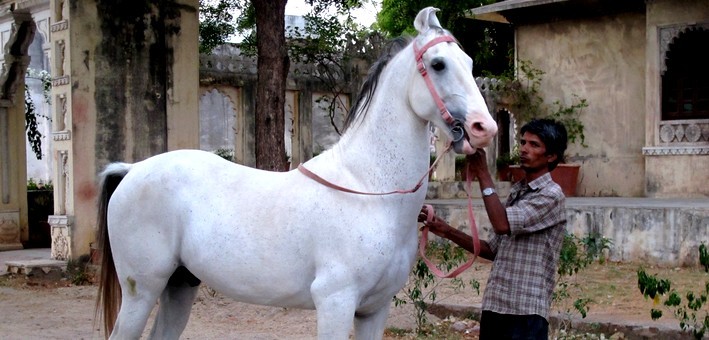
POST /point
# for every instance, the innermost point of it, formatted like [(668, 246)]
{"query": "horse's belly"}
[(264, 293), (254, 269)]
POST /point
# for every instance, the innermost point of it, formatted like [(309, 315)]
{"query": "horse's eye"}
[(438, 65)]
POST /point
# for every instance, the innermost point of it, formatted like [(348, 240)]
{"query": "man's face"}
[(533, 155)]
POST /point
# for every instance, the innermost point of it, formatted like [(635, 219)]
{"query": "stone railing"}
[(681, 137)]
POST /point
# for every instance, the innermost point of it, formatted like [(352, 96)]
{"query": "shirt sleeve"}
[(493, 243), (536, 211)]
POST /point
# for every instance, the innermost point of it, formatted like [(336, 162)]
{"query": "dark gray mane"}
[(370, 83)]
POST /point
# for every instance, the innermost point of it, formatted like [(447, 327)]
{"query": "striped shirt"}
[(523, 274)]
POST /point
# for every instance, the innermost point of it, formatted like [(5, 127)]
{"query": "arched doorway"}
[(13, 167)]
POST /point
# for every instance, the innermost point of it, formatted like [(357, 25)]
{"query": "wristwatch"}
[(488, 192)]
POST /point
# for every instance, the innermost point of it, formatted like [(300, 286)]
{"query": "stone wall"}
[(125, 90), (600, 59), (676, 152), (615, 60), (227, 99), (653, 231)]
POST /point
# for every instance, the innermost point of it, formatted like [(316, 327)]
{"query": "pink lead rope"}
[(418, 52), (423, 242), (473, 232)]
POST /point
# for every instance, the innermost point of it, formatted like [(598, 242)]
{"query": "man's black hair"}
[(552, 134)]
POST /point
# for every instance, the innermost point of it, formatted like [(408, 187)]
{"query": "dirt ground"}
[(32, 309)]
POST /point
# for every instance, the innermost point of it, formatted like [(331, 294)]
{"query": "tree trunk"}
[(273, 66)]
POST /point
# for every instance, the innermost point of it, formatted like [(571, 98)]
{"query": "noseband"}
[(457, 129)]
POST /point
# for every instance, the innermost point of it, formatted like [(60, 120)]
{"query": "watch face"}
[(488, 191)]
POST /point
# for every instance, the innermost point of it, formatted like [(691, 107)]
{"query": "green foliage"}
[(489, 44), (227, 154), (526, 102), (77, 271), (704, 257), (422, 286), (396, 17), (692, 314), (216, 22), (596, 246), (32, 185), (34, 137), (570, 116), (576, 254), (508, 158)]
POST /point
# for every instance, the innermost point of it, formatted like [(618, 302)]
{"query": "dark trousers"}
[(495, 326)]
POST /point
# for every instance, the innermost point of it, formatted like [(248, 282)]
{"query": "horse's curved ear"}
[(426, 19)]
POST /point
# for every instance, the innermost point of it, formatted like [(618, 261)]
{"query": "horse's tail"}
[(108, 300)]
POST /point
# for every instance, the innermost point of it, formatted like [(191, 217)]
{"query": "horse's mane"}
[(370, 83)]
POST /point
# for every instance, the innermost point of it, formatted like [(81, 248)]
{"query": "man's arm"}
[(496, 212), (465, 241)]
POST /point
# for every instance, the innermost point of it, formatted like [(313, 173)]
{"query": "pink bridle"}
[(419, 52)]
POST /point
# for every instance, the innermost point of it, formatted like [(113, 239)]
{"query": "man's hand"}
[(477, 163), (436, 225)]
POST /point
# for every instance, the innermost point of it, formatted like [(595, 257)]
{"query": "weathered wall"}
[(659, 232), (603, 60), (674, 169), (133, 76), (227, 101)]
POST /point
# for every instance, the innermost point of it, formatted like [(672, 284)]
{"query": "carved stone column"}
[(61, 236)]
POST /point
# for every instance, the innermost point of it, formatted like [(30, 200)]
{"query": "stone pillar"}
[(61, 236), (62, 222), (116, 104)]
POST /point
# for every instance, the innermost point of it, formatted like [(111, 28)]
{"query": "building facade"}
[(647, 123)]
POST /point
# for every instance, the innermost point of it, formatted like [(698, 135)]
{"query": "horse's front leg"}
[(371, 326), (335, 306)]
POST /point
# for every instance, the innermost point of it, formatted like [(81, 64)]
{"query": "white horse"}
[(283, 239)]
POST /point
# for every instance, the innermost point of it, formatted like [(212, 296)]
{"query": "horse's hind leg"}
[(138, 299), (175, 305), (371, 326)]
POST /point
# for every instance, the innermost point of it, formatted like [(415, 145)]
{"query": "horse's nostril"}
[(478, 126)]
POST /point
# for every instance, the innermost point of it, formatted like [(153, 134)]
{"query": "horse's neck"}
[(390, 145)]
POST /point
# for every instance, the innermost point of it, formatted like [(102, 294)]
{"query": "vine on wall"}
[(34, 137)]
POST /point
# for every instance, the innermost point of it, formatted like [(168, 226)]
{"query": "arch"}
[(217, 121), (685, 81), (16, 59), (668, 35), (13, 185)]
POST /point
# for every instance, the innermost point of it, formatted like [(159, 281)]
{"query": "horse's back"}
[(195, 208)]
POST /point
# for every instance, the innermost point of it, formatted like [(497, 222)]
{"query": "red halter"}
[(418, 52)]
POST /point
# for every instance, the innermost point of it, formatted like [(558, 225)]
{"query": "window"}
[(685, 84)]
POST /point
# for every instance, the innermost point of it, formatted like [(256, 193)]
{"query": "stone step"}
[(48, 269)]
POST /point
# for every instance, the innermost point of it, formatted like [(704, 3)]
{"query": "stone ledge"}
[(38, 268)]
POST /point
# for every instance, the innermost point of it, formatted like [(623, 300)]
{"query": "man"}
[(528, 234)]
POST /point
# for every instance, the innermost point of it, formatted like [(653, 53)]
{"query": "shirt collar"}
[(540, 182), (534, 185)]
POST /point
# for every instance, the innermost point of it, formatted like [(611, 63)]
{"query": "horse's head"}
[(447, 94)]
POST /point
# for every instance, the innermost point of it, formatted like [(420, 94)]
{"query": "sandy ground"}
[(58, 310)]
